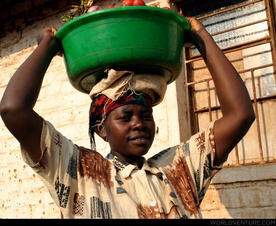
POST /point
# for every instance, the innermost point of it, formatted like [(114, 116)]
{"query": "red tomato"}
[(110, 6), (128, 2), (139, 2)]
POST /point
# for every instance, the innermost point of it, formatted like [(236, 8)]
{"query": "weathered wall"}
[(240, 192)]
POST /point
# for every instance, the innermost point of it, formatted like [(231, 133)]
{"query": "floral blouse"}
[(84, 184)]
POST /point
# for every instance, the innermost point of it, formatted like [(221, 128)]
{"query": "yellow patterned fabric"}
[(84, 184)]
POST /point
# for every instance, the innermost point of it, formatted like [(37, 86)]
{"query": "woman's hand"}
[(48, 35), (193, 36)]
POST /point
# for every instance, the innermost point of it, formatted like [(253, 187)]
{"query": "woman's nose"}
[(137, 123)]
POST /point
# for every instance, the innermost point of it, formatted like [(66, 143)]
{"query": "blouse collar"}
[(126, 168)]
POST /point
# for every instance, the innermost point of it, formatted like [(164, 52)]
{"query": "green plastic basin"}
[(143, 39)]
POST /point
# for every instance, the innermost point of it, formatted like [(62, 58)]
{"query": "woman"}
[(124, 184)]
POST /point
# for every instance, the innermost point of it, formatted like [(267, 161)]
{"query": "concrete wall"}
[(239, 192)]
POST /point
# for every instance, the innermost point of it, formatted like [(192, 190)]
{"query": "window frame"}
[(186, 8)]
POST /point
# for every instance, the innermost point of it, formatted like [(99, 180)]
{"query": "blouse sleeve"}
[(58, 155)]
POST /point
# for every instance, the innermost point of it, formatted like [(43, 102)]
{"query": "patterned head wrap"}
[(101, 106)]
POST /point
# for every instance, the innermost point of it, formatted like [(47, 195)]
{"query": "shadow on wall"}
[(17, 15), (244, 192)]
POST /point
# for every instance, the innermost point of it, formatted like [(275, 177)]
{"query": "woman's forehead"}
[(131, 107)]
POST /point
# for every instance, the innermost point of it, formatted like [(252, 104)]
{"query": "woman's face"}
[(130, 131)]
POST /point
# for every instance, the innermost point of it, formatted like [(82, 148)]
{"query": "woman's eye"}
[(147, 116), (124, 117)]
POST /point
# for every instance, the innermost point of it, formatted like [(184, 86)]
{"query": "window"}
[(245, 31)]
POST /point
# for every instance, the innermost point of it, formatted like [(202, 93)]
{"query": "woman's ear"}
[(100, 131)]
